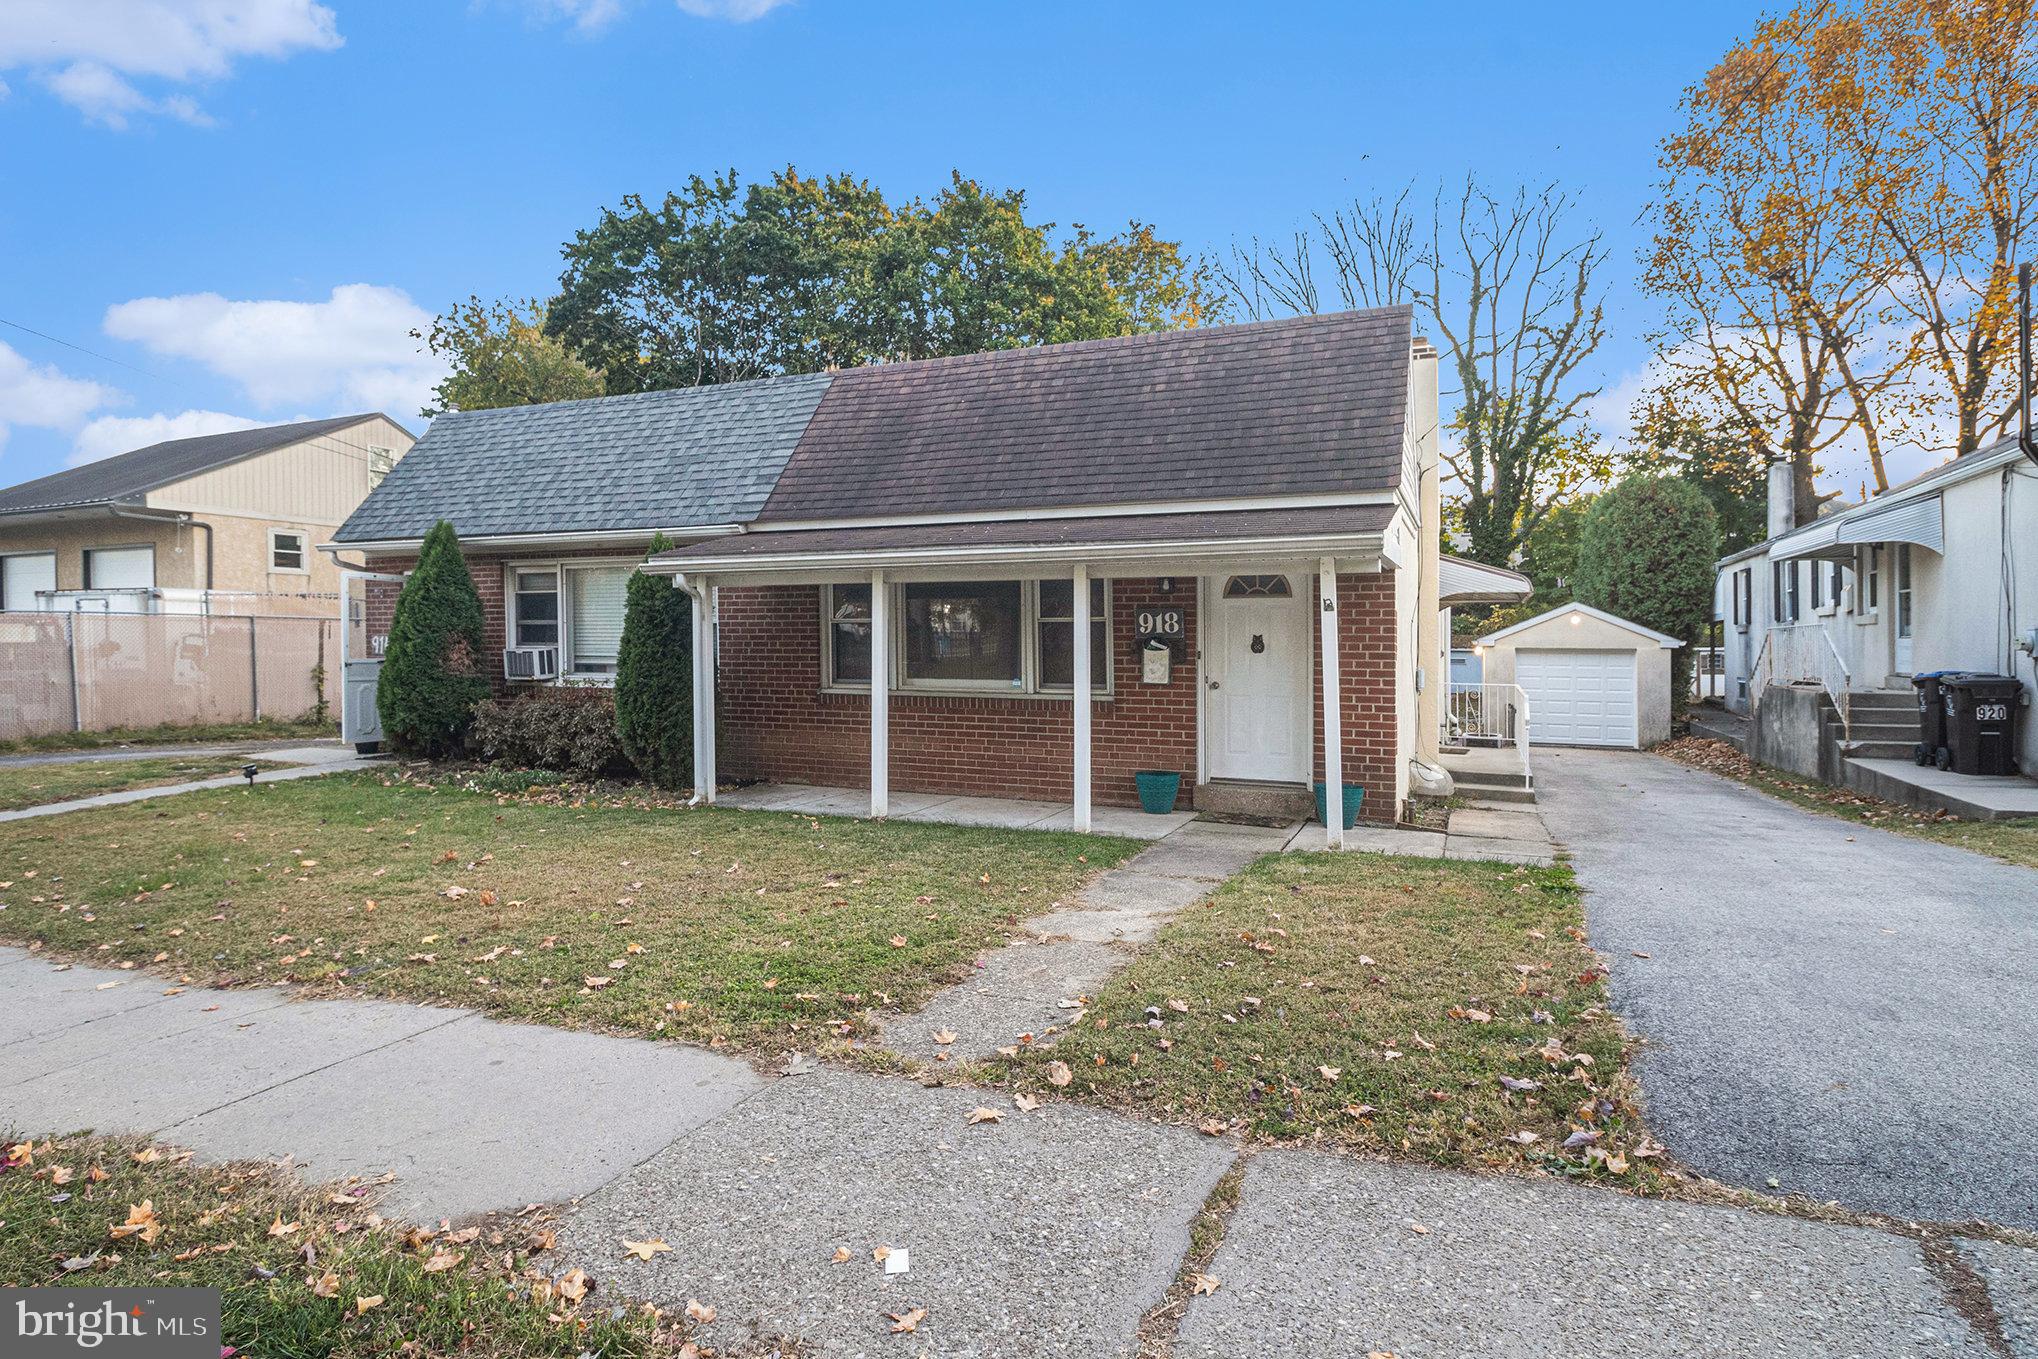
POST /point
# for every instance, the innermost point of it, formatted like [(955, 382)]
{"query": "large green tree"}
[(1716, 459), (431, 670), (1646, 552), (722, 281), (500, 355), (654, 678)]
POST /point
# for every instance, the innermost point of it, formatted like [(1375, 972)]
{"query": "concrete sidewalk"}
[(115, 754), (308, 762), (1050, 1233)]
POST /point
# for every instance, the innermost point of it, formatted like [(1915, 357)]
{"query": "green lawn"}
[(1371, 1003), (303, 1271), (35, 784), (2012, 841), (174, 735), (756, 929)]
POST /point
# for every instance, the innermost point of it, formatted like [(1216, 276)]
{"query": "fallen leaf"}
[(944, 1036), (906, 1322), (326, 1285), (367, 1303), (141, 1222), (1204, 1284), (1330, 1073), (898, 941), (281, 1228), (443, 1259), (699, 1311), (980, 1114), (1058, 1074), (573, 1285), (841, 1256), (644, 1250), (1025, 1104)]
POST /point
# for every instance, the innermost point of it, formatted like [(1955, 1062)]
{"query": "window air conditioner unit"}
[(530, 663)]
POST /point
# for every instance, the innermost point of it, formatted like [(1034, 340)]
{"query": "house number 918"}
[(1158, 623)]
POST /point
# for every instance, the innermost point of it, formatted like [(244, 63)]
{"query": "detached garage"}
[(1590, 679)]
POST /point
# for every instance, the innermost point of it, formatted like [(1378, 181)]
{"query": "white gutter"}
[(588, 537), (1103, 511), (879, 558)]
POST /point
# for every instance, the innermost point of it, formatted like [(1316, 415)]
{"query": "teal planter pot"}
[(1355, 797), (1158, 789)]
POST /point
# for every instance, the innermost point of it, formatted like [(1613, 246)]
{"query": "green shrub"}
[(568, 730), (1646, 553), (432, 670), (654, 678)]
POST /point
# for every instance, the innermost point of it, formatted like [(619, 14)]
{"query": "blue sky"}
[(242, 221)]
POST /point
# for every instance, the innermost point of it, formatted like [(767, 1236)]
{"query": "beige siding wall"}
[(319, 481), (175, 568), (308, 488)]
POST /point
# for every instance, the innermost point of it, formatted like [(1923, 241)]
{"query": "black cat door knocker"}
[(1259, 643)]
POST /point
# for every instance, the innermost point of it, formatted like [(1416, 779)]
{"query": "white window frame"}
[(1867, 582), (303, 567), (1744, 598), (560, 565), (1030, 685)]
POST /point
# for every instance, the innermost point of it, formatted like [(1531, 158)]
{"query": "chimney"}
[(1782, 497)]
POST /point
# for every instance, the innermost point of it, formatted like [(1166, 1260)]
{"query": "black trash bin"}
[(1981, 723), (1931, 715)]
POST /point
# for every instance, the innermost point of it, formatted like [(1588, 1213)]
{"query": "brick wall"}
[(776, 724)]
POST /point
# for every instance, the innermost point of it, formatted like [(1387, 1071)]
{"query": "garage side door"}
[(1579, 698)]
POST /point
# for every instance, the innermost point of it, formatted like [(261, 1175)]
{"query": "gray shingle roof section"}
[(649, 460), (126, 476), (1313, 404)]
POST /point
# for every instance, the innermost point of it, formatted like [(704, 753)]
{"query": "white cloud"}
[(42, 396), (92, 53), (353, 351), (111, 434), (735, 11)]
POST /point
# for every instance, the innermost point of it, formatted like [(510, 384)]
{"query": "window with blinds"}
[(595, 626)]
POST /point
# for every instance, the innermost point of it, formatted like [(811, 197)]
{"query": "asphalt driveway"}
[(1846, 1013)]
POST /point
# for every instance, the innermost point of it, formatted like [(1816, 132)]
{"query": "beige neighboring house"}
[(222, 523)]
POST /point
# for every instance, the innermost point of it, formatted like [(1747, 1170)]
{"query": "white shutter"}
[(21, 577), (598, 597), (120, 568)]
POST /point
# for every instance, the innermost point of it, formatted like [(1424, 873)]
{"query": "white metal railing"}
[(1488, 715), (1804, 653)]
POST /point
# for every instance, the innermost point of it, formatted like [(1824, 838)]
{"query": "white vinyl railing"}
[(1488, 715), (1804, 653)]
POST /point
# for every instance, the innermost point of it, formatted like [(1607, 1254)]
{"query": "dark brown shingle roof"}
[(1310, 405)]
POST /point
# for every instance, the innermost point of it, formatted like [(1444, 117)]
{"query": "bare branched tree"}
[(1509, 285)]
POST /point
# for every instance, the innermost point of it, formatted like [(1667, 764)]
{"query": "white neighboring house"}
[(1940, 573)]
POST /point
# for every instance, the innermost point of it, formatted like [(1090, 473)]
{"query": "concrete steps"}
[(1493, 787), (1257, 798)]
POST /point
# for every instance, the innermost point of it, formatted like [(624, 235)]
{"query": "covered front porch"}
[(1026, 673)]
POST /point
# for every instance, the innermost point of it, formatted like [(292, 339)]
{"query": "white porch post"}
[(1080, 580), (703, 694), (880, 697), (713, 595), (1333, 711)]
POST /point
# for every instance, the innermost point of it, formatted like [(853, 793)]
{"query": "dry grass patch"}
[(303, 1270), (755, 929), (1445, 1011), (34, 785)]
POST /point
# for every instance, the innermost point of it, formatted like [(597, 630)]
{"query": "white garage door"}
[(120, 568), (1579, 698), (22, 576)]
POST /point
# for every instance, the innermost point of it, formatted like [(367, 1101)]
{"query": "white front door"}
[(1256, 662)]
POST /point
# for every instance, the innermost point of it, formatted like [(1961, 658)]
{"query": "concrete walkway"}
[(1845, 1012), (1051, 1233), (114, 754), (309, 762), (1043, 980)]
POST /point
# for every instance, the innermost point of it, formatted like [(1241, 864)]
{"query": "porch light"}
[(1576, 619), (1167, 585)]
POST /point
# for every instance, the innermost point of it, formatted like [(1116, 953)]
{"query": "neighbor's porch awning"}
[(1465, 582), (1178, 544), (1919, 522)]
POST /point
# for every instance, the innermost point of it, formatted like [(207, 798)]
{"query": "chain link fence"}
[(94, 672)]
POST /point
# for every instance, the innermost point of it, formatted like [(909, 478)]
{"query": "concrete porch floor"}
[(948, 809), (1972, 797)]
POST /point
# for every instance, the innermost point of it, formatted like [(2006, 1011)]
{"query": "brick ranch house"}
[(1027, 573)]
